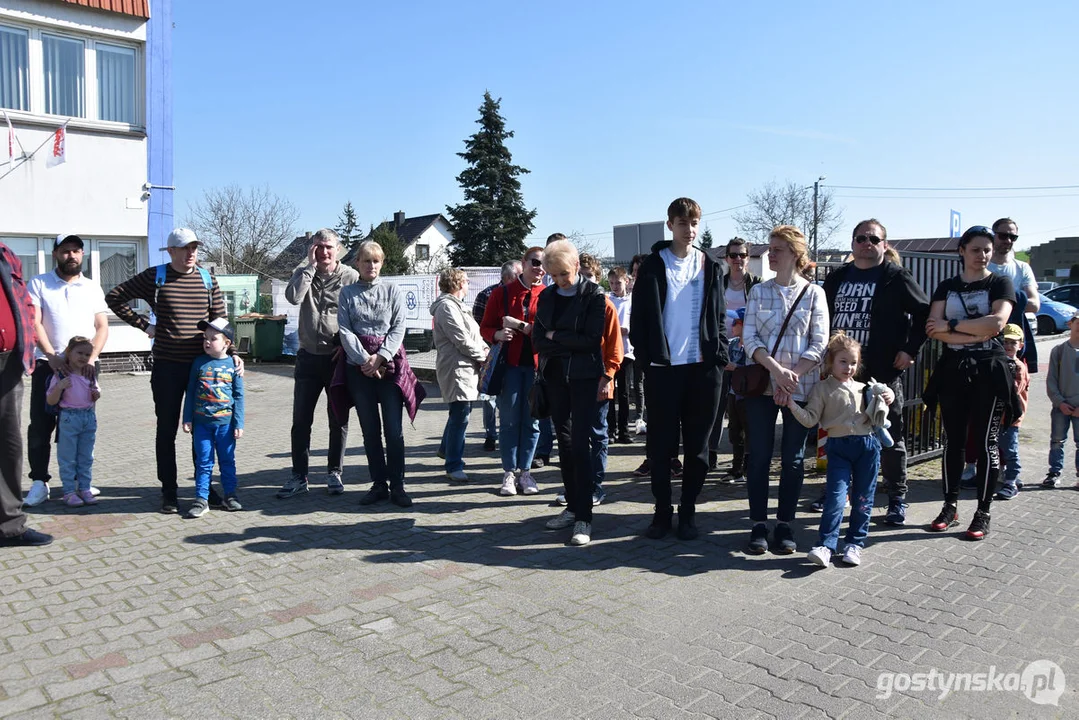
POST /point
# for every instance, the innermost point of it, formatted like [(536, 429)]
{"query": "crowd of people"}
[(685, 338)]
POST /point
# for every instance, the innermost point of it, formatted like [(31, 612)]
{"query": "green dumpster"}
[(260, 336)]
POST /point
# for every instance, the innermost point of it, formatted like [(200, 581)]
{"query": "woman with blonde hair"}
[(460, 353), (792, 357)]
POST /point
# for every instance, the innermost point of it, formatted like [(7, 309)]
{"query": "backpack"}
[(207, 281)]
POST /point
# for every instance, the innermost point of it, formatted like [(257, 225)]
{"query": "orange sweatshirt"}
[(611, 344)]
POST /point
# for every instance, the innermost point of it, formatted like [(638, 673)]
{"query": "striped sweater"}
[(181, 303)]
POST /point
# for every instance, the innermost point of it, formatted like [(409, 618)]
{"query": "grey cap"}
[(181, 237)]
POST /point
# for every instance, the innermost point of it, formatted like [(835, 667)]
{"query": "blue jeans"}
[(370, 396), (1009, 454), (75, 448), (761, 414), (597, 442), (490, 428), (518, 430), (210, 439), (453, 437), (545, 446), (1061, 423), (853, 464)]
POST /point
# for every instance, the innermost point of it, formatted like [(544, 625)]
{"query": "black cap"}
[(68, 239)]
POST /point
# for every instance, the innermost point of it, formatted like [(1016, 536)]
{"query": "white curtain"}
[(14, 68), (116, 83), (64, 76)]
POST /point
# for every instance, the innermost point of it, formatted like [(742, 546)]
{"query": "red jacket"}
[(512, 300), (22, 309)]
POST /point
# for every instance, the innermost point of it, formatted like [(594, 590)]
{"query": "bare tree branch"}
[(789, 204), (243, 231)]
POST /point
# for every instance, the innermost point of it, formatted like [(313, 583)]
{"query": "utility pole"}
[(816, 192)]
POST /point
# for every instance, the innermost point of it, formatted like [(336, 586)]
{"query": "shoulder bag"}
[(494, 367), (752, 380)]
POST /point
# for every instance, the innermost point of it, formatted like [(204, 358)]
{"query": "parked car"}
[(1065, 293), (1053, 315), (1046, 285)]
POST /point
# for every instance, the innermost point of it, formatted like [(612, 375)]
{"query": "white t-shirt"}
[(734, 300), (67, 308), (682, 311), (622, 306), (1020, 273)]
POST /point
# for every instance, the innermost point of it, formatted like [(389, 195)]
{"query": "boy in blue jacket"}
[(214, 415)]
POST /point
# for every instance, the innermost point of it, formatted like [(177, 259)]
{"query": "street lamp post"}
[(816, 192)]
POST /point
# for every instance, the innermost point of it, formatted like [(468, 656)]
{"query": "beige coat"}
[(460, 349)]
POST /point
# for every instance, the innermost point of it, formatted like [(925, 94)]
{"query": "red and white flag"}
[(10, 140), (58, 150)]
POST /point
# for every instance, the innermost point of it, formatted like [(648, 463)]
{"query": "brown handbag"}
[(753, 380)]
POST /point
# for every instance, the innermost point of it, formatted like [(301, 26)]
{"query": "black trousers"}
[(574, 411), (638, 391), (312, 375), (981, 414), (618, 409), (42, 424), (680, 398), (168, 381), (736, 431), (12, 519)]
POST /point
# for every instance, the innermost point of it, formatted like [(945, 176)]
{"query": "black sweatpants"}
[(574, 411), (42, 424), (981, 413), (681, 398)]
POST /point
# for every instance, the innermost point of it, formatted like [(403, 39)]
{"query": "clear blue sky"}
[(619, 107)]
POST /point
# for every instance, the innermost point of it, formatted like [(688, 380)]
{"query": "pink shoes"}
[(80, 498)]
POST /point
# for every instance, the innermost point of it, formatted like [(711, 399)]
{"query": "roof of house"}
[(135, 8), (926, 245), (289, 258), (408, 231)]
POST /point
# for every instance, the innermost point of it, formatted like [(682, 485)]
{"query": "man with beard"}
[(67, 304)]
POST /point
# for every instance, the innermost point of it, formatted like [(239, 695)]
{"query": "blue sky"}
[(619, 107)]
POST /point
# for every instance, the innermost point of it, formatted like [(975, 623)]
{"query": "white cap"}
[(181, 237)]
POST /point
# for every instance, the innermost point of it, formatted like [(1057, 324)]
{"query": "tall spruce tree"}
[(706, 238), (348, 226), (490, 226)]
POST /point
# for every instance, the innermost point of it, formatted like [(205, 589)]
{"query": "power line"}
[(955, 197), (955, 189)]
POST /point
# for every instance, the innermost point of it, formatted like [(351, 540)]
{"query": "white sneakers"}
[(582, 533), (457, 476), (528, 484), (820, 555), (39, 493), (641, 427), (509, 484), (562, 520), (852, 555)]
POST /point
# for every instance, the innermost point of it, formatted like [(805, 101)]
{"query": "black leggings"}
[(979, 413)]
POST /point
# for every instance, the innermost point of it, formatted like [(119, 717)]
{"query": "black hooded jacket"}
[(649, 297), (578, 331), (896, 322)]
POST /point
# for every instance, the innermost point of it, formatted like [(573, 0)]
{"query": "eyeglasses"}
[(536, 262), (1006, 235), (735, 256), (861, 239)]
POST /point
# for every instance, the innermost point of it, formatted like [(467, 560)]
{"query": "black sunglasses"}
[(868, 238), (1010, 236), (737, 255), (536, 262)]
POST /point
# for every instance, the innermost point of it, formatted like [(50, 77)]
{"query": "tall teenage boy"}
[(678, 336)]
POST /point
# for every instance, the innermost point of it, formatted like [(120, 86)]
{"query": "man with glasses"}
[(1004, 262), (880, 305)]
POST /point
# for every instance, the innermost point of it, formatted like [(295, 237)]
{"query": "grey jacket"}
[(370, 309), (460, 349), (317, 297)]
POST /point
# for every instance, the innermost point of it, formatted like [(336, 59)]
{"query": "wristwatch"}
[(953, 323)]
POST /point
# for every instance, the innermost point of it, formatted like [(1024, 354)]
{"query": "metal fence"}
[(923, 428)]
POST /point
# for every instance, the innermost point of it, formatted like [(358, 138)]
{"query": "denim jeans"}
[(453, 437), (518, 430), (490, 418), (312, 378), (1009, 454), (853, 464), (210, 439), (380, 407), (597, 443), (75, 448), (761, 413), (1061, 423), (545, 444)]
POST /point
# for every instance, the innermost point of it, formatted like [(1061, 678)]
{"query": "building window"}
[(26, 250), (116, 83), (14, 68), (63, 61), (118, 262), (423, 252)]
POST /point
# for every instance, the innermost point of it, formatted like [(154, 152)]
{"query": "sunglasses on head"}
[(868, 238), (1007, 235), (536, 262), (737, 255)]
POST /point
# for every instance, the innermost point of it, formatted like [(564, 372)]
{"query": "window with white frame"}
[(68, 75), (26, 250), (14, 68)]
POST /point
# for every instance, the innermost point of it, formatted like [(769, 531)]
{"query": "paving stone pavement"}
[(465, 606)]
